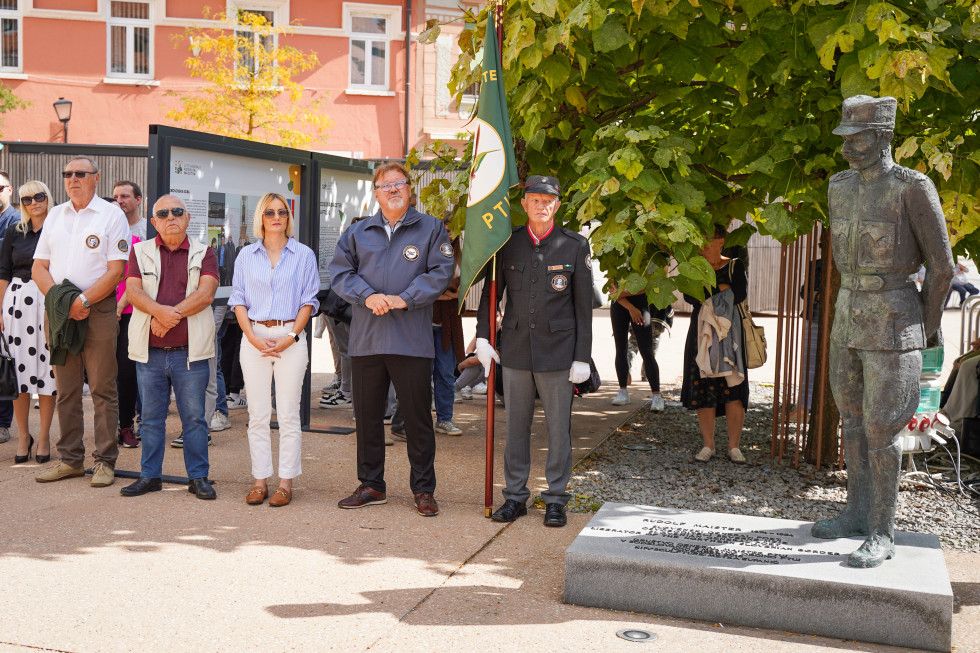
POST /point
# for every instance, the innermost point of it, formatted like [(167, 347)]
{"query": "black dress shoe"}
[(201, 488), (510, 511), (554, 515), (141, 487)]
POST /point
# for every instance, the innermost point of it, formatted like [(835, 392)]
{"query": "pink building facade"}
[(118, 64)]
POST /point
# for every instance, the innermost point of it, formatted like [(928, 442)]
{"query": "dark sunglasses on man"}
[(176, 211), (27, 200), (78, 174)]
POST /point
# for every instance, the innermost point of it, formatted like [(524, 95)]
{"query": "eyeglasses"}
[(176, 211), (392, 185), (269, 213), (28, 199)]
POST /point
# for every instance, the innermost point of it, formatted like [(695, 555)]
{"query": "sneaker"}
[(398, 436), (102, 475), (389, 419), (622, 397), (128, 439), (389, 442), (448, 428), (467, 392), (333, 387), (363, 496), (178, 442), (480, 389), (4, 435), (86, 391), (337, 400), (236, 401), (657, 403), (458, 397), (219, 422), (62, 471), (736, 456)]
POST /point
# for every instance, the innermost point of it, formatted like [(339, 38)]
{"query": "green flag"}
[(493, 172)]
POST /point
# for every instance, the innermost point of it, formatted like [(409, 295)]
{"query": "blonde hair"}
[(258, 229), (31, 188)]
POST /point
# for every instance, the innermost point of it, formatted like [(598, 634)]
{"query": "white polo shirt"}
[(79, 245)]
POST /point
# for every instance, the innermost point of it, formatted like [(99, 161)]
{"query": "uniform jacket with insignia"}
[(416, 264), (547, 323), (882, 231)]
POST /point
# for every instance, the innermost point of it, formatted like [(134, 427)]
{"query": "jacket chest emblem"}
[(411, 252), (559, 282), (92, 241)]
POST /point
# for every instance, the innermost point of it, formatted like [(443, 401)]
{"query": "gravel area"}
[(668, 476)]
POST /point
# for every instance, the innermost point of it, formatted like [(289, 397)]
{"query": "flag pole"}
[(491, 391)]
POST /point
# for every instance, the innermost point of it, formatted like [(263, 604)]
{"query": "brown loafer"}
[(256, 495), (281, 497), (425, 504), (363, 496)]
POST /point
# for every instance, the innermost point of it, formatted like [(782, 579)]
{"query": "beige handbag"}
[(753, 334)]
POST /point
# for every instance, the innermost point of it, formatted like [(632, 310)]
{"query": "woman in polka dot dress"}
[(22, 320)]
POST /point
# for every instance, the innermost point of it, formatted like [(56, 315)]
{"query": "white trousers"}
[(288, 372)]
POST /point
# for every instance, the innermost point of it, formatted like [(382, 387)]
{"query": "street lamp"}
[(63, 108)]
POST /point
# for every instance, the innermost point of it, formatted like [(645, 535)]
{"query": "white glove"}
[(580, 372), (485, 354)]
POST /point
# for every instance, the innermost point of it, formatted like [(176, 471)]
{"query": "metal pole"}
[(491, 391), (776, 450)]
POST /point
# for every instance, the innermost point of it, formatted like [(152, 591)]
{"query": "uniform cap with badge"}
[(542, 184)]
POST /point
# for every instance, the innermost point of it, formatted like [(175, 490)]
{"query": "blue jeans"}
[(443, 379), (222, 403), (163, 370)]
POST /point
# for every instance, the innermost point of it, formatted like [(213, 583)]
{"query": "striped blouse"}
[(275, 294)]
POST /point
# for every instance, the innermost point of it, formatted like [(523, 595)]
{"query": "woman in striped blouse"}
[(273, 295)]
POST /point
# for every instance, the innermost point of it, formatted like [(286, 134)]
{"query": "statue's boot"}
[(880, 545), (853, 519)]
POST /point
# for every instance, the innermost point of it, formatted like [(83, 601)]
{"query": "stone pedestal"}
[(761, 572)]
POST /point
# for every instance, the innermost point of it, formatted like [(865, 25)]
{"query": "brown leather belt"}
[(272, 323)]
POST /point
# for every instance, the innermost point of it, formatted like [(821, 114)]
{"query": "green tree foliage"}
[(665, 117), (9, 101), (249, 91)]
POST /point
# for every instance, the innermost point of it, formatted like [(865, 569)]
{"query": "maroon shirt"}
[(173, 284)]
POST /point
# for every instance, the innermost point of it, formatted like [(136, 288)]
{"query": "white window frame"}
[(130, 24), (18, 15), (392, 16), (275, 9)]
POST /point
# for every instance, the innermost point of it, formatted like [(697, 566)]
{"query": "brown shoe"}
[(281, 497), (363, 496), (425, 504), (257, 495)]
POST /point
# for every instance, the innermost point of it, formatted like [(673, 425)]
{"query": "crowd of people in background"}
[(92, 306)]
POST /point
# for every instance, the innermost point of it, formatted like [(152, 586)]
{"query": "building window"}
[(130, 39), (369, 49), (10, 16), (250, 41)]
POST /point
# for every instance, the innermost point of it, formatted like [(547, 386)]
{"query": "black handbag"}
[(591, 384), (9, 389)]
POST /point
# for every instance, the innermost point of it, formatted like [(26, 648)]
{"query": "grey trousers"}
[(340, 338), (555, 391)]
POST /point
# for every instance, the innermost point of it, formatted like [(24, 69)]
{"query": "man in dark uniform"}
[(392, 267), (885, 221), (546, 343)]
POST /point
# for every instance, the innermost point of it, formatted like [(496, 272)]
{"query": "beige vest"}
[(200, 326)]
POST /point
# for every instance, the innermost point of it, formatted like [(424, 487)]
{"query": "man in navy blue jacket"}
[(392, 267)]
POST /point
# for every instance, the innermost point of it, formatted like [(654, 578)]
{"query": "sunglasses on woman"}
[(29, 199), (269, 213)]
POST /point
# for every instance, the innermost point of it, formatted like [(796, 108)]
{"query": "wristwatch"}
[(85, 301), (293, 336)]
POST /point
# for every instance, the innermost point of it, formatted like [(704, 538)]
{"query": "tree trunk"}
[(824, 445)]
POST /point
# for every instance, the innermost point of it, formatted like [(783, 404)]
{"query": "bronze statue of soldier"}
[(885, 221)]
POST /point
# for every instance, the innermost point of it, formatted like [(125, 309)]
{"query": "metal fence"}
[(45, 161)]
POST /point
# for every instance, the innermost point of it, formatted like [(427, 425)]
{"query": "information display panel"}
[(343, 197)]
